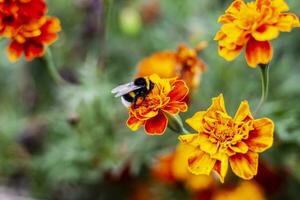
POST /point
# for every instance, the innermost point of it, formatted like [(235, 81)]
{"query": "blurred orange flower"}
[(221, 138), (184, 63), (246, 190), (32, 38), (15, 13), (172, 168), (253, 25), (166, 97)]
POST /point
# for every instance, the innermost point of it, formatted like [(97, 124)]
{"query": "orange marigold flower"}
[(246, 190), (172, 168), (221, 138), (166, 97), (32, 38), (253, 25), (184, 63), (15, 13)]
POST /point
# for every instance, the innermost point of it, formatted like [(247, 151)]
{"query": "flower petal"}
[(179, 91), (287, 21), (244, 165), (243, 114), (265, 33), (206, 145), (218, 104), (240, 147), (156, 125), (280, 5), (190, 139), (261, 138), (175, 107), (258, 52), (134, 124), (34, 50), (221, 167), (162, 64), (14, 51), (196, 120), (201, 163), (230, 54), (235, 6)]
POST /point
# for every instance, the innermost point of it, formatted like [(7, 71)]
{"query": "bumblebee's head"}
[(140, 82), (144, 82)]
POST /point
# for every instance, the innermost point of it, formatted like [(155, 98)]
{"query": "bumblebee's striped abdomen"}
[(129, 97)]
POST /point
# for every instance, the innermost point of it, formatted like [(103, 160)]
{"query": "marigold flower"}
[(221, 138), (247, 190), (172, 168), (32, 38), (15, 13), (253, 25), (166, 97), (184, 63)]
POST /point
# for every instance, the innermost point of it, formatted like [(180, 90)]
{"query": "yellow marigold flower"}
[(253, 25), (246, 190), (167, 96), (172, 168), (221, 138), (183, 63)]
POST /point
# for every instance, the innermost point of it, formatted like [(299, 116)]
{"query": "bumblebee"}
[(131, 92)]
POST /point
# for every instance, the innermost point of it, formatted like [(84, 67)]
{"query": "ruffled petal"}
[(179, 91), (244, 165), (206, 145), (265, 33), (218, 104), (134, 124), (230, 54), (156, 125), (14, 51), (221, 167), (287, 21), (261, 138), (162, 63), (258, 52), (236, 6), (280, 5), (240, 147), (34, 50), (243, 114), (175, 107), (196, 120), (201, 163), (190, 139)]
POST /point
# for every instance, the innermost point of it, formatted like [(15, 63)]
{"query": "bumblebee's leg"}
[(144, 97), (134, 101)]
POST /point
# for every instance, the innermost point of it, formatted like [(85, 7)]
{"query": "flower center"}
[(223, 132)]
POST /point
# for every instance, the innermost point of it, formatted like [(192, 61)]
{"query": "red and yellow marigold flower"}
[(15, 13), (221, 139), (167, 97), (31, 39), (183, 63), (253, 25), (172, 168)]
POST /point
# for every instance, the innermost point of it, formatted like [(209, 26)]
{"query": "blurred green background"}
[(71, 141)]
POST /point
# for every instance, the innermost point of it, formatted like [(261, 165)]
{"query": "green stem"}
[(264, 69), (175, 124), (52, 69)]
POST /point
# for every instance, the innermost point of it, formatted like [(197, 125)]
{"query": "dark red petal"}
[(156, 125)]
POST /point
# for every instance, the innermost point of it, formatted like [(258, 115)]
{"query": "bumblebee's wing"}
[(125, 103), (124, 89)]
